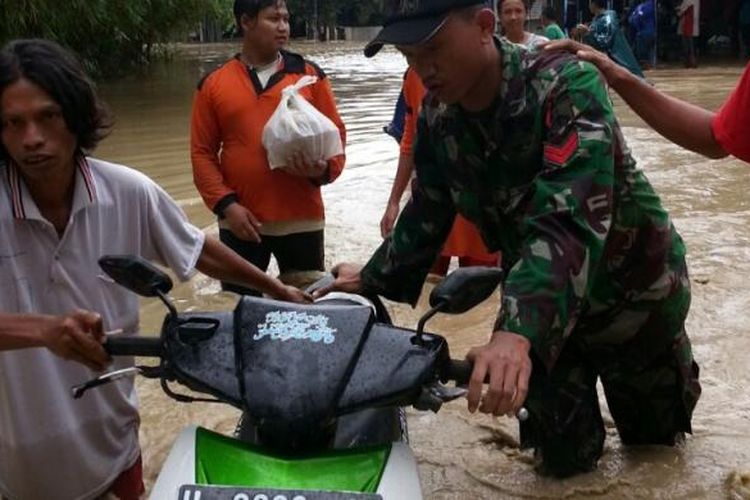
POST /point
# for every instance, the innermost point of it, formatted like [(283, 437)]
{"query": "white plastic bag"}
[(297, 127)]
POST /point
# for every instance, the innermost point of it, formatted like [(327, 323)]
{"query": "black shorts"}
[(293, 252)]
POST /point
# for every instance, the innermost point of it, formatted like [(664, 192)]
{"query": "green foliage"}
[(109, 35), (112, 36)]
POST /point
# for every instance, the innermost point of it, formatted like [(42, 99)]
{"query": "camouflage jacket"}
[(547, 178)]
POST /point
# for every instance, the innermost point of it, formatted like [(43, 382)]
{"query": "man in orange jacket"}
[(262, 212), (464, 240)]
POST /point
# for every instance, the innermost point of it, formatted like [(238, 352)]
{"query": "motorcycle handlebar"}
[(134, 346), (459, 371)]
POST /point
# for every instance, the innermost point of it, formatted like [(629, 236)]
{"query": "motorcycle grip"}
[(150, 347), (460, 370)]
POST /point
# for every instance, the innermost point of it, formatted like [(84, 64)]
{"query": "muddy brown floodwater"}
[(461, 455)]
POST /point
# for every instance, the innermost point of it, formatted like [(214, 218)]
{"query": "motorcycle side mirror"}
[(465, 288), (136, 274), (139, 276), (461, 290)]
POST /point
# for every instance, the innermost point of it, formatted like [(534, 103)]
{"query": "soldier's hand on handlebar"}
[(506, 360), (347, 280), (79, 337)]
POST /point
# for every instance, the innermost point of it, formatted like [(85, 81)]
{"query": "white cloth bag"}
[(298, 127)]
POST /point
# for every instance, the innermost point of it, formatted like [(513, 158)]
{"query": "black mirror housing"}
[(136, 274), (465, 288)]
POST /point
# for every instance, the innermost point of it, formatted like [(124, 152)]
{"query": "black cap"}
[(410, 22)]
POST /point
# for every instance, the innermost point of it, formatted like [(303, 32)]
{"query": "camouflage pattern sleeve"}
[(567, 214), (398, 268)]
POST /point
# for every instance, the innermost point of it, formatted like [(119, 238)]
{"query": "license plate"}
[(194, 492)]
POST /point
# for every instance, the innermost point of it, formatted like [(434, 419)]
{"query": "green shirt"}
[(553, 32)]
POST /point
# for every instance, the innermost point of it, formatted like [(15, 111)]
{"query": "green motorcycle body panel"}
[(221, 460)]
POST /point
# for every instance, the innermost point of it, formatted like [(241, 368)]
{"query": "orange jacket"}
[(464, 239), (230, 110), (414, 93)]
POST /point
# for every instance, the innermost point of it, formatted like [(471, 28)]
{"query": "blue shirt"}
[(643, 18)]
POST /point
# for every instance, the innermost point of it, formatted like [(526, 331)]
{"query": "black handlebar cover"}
[(458, 370), (147, 347)]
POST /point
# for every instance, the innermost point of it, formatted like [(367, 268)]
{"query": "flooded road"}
[(462, 455)]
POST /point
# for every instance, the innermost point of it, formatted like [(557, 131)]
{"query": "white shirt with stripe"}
[(694, 28), (52, 446)]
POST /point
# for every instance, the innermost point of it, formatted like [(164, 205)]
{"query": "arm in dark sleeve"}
[(567, 217), (398, 268)]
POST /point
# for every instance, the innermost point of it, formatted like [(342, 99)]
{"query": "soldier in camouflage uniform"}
[(527, 147)]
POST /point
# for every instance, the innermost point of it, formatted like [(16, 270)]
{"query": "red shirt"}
[(731, 126)]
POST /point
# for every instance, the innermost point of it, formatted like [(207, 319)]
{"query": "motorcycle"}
[(321, 387)]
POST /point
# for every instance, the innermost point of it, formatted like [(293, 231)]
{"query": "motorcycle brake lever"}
[(447, 394), (434, 396), (79, 390)]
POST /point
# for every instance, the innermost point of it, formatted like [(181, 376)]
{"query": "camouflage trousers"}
[(650, 383)]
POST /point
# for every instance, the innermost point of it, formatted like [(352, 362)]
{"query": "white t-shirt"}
[(265, 73), (52, 446), (531, 42)]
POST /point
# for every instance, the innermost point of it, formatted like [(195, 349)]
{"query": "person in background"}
[(712, 134), (689, 13), (643, 20), (60, 211), (572, 16), (464, 241), (604, 33), (628, 28), (744, 19), (396, 126), (552, 29), (262, 212), (513, 15), (410, 102)]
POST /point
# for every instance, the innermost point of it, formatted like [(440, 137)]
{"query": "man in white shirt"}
[(61, 210), (689, 13)]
